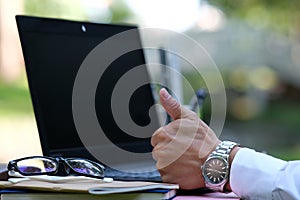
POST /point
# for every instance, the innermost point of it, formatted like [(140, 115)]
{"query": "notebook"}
[(54, 51)]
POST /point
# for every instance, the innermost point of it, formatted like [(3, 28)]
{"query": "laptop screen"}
[(53, 52)]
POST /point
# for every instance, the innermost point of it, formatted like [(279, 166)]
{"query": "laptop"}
[(54, 50)]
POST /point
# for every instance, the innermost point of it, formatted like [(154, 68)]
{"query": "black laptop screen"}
[(53, 55)]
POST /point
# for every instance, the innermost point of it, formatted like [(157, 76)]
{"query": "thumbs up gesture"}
[(182, 146)]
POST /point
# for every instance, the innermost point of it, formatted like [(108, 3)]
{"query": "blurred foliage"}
[(282, 16), (120, 11), (14, 100), (291, 153), (74, 10), (55, 8), (285, 113)]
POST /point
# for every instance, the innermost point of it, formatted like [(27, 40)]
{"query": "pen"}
[(197, 100)]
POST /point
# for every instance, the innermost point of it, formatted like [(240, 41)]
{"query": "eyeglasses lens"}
[(36, 165), (86, 167)]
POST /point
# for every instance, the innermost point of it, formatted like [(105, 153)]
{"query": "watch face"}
[(215, 170)]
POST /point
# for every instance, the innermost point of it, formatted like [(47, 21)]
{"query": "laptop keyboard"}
[(133, 176)]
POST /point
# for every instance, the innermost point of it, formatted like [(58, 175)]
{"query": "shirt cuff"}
[(253, 174)]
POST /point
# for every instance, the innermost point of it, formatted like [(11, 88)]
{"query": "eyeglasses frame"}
[(12, 166)]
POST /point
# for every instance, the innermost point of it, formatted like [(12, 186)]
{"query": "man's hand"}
[(182, 146)]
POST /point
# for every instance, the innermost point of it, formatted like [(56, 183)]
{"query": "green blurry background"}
[(255, 44)]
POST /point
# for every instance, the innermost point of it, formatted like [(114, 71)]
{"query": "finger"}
[(154, 154), (154, 139), (173, 108)]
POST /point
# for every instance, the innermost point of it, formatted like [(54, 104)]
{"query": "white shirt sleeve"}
[(256, 175)]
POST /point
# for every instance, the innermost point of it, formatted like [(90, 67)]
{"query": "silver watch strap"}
[(224, 148)]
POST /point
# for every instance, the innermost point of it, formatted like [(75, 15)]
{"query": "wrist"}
[(231, 158)]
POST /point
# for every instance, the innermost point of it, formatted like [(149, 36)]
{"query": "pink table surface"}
[(209, 196)]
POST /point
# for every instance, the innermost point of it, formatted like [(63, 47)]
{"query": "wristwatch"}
[(216, 168)]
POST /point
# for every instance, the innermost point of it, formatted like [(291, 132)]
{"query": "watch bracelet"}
[(224, 149)]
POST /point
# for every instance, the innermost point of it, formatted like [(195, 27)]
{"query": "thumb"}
[(173, 108)]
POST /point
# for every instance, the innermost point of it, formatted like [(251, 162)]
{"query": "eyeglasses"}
[(43, 165)]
